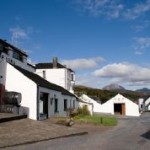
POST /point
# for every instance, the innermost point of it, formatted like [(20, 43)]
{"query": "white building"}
[(40, 98), (92, 104), (141, 104), (13, 55), (116, 105), (120, 105), (57, 73), (147, 104), (88, 104)]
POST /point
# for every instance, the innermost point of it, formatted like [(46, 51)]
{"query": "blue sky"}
[(104, 41)]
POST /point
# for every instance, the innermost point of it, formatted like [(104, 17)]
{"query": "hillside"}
[(144, 90), (113, 87), (105, 95)]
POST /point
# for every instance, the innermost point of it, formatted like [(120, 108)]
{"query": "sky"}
[(103, 41)]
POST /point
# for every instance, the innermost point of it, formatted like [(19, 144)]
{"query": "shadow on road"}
[(146, 135)]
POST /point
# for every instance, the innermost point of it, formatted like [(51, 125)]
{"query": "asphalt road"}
[(129, 134)]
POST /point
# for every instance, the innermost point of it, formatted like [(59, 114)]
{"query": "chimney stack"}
[(55, 60)]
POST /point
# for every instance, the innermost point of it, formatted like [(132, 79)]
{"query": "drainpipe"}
[(37, 102)]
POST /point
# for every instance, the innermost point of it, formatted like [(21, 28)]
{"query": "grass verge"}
[(97, 120)]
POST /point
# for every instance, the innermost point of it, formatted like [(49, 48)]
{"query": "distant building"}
[(57, 73), (147, 104), (116, 105), (120, 105)]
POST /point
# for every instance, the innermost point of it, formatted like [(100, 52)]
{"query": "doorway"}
[(44, 103), (119, 108)]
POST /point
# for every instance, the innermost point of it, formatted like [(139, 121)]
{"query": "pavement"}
[(26, 131)]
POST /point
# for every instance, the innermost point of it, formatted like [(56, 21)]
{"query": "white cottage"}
[(120, 105), (92, 104), (40, 98), (116, 105)]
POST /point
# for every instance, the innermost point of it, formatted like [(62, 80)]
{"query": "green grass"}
[(97, 120)]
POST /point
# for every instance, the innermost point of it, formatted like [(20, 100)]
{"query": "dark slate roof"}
[(50, 66), (42, 82), (6, 44)]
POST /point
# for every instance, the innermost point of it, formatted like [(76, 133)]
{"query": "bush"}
[(71, 112), (83, 111)]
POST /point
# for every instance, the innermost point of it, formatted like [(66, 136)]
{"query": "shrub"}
[(71, 112), (83, 111)]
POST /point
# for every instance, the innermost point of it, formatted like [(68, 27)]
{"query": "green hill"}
[(105, 95)]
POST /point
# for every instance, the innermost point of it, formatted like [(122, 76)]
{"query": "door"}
[(45, 104), (123, 109), (119, 108)]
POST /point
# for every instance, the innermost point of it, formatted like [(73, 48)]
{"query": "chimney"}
[(55, 60)]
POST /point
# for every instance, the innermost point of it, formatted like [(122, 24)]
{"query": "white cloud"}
[(124, 72), (142, 42), (113, 8), (138, 53), (18, 34), (108, 8), (83, 63), (141, 25), (137, 10)]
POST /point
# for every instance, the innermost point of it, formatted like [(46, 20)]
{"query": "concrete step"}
[(5, 117)]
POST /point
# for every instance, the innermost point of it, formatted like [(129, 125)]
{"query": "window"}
[(74, 103), (44, 74), (5, 50), (1, 47), (72, 77), (65, 104), (17, 56), (56, 106)]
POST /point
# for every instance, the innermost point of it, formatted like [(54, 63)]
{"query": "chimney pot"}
[(55, 61)]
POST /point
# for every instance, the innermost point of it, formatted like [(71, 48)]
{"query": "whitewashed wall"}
[(147, 102), (58, 95), (88, 105), (56, 76), (8, 58), (96, 105), (59, 76), (141, 104), (16, 81), (131, 109), (2, 71)]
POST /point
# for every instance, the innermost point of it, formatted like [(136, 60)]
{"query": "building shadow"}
[(146, 135)]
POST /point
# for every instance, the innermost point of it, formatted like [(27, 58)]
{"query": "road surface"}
[(130, 134)]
